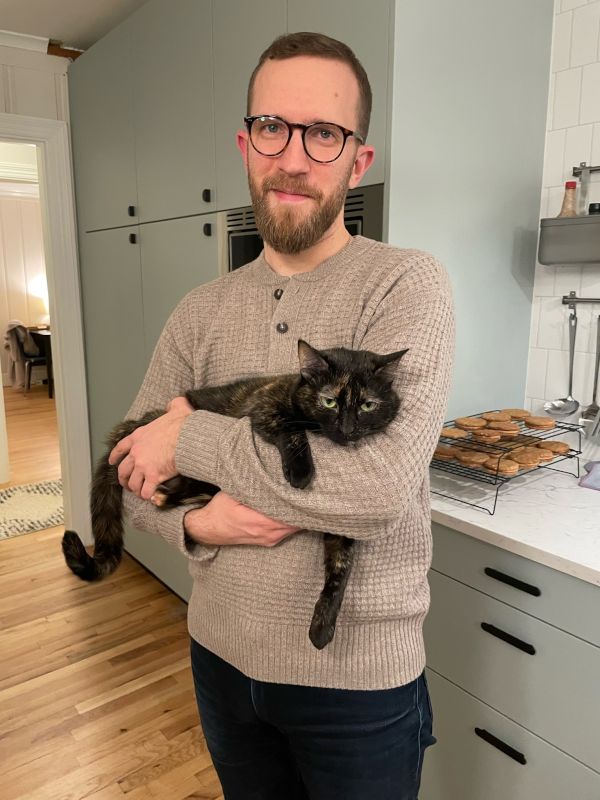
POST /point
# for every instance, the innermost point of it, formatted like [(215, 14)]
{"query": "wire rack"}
[(500, 449)]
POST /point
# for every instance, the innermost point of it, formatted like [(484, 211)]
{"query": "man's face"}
[(297, 200)]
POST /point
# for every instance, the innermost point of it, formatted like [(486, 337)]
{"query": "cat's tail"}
[(107, 528), (107, 515)]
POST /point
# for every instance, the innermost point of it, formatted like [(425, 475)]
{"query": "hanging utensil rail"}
[(571, 299)]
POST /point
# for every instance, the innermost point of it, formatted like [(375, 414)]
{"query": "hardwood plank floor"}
[(96, 692)]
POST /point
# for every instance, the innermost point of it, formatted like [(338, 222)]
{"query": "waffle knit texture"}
[(252, 605)]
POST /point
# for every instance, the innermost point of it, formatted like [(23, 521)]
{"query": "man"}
[(283, 720)]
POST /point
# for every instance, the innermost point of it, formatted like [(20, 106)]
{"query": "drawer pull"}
[(500, 745), (514, 582), (507, 637)]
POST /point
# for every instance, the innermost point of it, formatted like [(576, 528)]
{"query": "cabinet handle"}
[(132, 238), (500, 745), (207, 229), (509, 638), (514, 582), (131, 211), (206, 195)]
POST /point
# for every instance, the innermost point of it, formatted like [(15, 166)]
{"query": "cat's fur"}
[(282, 409)]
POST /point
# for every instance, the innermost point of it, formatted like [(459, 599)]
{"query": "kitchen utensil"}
[(591, 411), (566, 406)]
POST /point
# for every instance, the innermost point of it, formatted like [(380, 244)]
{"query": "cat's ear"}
[(381, 362), (312, 363)]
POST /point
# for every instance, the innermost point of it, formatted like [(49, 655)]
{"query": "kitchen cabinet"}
[(513, 648), (111, 288), (102, 134), (171, 61), (366, 28)]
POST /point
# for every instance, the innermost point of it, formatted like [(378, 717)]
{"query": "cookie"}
[(503, 466), (546, 455), (470, 423), (444, 453), (517, 413), (486, 435), (543, 423), (555, 446), (454, 433), (505, 427), (527, 457), (472, 458), (496, 416)]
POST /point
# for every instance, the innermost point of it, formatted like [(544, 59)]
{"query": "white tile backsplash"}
[(584, 41), (573, 136)]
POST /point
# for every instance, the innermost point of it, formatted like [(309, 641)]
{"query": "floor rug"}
[(31, 507)]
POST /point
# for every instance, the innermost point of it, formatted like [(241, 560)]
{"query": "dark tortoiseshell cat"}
[(339, 393)]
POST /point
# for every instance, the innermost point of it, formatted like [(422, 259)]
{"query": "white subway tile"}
[(596, 144), (544, 281), (590, 94), (534, 326), (578, 148), (590, 282), (561, 41), (584, 41), (536, 372), (557, 376), (553, 324), (568, 279), (550, 110), (584, 326), (554, 157), (567, 5), (567, 96)]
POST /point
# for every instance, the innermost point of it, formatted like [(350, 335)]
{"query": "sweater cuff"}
[(197, 449)]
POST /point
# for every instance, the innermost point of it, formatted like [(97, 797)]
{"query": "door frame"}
[(64, 299)]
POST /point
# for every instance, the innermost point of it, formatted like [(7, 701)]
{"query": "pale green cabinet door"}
[(177, 256), (102, 133), (111, 285), (366, 28), (173, 108), (252, 26)]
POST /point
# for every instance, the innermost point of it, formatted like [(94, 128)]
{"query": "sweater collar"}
[(259, 272)]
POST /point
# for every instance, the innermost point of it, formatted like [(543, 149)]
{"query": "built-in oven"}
[(240, 242)]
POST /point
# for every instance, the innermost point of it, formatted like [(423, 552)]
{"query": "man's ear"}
[(241, 140), (362, 161)]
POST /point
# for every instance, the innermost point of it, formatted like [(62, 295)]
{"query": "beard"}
[(284, 229)]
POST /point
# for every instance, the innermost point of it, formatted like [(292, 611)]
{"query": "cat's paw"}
[(299, 471)]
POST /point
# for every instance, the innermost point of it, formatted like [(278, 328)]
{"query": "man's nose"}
[(294, 158)]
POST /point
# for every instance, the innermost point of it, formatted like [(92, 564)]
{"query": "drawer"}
[(463, 766), (560, 599), (552, 692)]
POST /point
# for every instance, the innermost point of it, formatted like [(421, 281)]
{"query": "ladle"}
[(566, 406), (591, 411)]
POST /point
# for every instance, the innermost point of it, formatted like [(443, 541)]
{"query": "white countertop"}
[(542, 515)]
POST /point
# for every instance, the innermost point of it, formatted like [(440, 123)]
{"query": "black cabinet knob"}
[(131, 211), (132, 238), (206, 195), (207, 228)]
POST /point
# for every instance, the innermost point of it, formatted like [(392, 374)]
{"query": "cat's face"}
[(347, 392)]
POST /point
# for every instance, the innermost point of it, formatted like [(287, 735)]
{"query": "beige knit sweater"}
[(252, 605)]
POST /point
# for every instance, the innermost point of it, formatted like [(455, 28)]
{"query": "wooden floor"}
[(96, 696)]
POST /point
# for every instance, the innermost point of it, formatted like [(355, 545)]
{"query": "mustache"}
[(297, 187)]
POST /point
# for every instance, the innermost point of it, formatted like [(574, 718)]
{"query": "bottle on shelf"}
[(569, 208)]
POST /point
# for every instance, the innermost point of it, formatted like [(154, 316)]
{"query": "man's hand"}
[(147, 456), (226, 521)]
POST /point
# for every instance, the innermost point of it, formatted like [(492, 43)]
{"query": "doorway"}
[(51, 139)]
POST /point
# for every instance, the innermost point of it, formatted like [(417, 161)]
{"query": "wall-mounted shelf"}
[(565, 241)]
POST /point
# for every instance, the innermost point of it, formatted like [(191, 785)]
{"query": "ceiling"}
[(74, 23)]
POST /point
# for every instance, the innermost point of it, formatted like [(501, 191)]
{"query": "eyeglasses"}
[(323, 141)]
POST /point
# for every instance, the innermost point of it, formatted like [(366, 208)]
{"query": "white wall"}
[(23, 287), (573, 136), (33, 84)]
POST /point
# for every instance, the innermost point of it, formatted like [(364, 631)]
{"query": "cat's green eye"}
[(328, 402), (368, 405)]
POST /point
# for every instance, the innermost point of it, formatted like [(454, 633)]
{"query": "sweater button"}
[(282, 327), (277, 293)]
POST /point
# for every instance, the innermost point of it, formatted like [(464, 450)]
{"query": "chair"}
[(29, 360)]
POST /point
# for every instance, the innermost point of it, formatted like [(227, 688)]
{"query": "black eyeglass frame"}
[(249, 121)]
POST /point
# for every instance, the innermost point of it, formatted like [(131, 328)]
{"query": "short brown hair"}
[(317, 44)]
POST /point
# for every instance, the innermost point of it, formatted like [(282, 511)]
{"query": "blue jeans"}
[(272, 741)]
